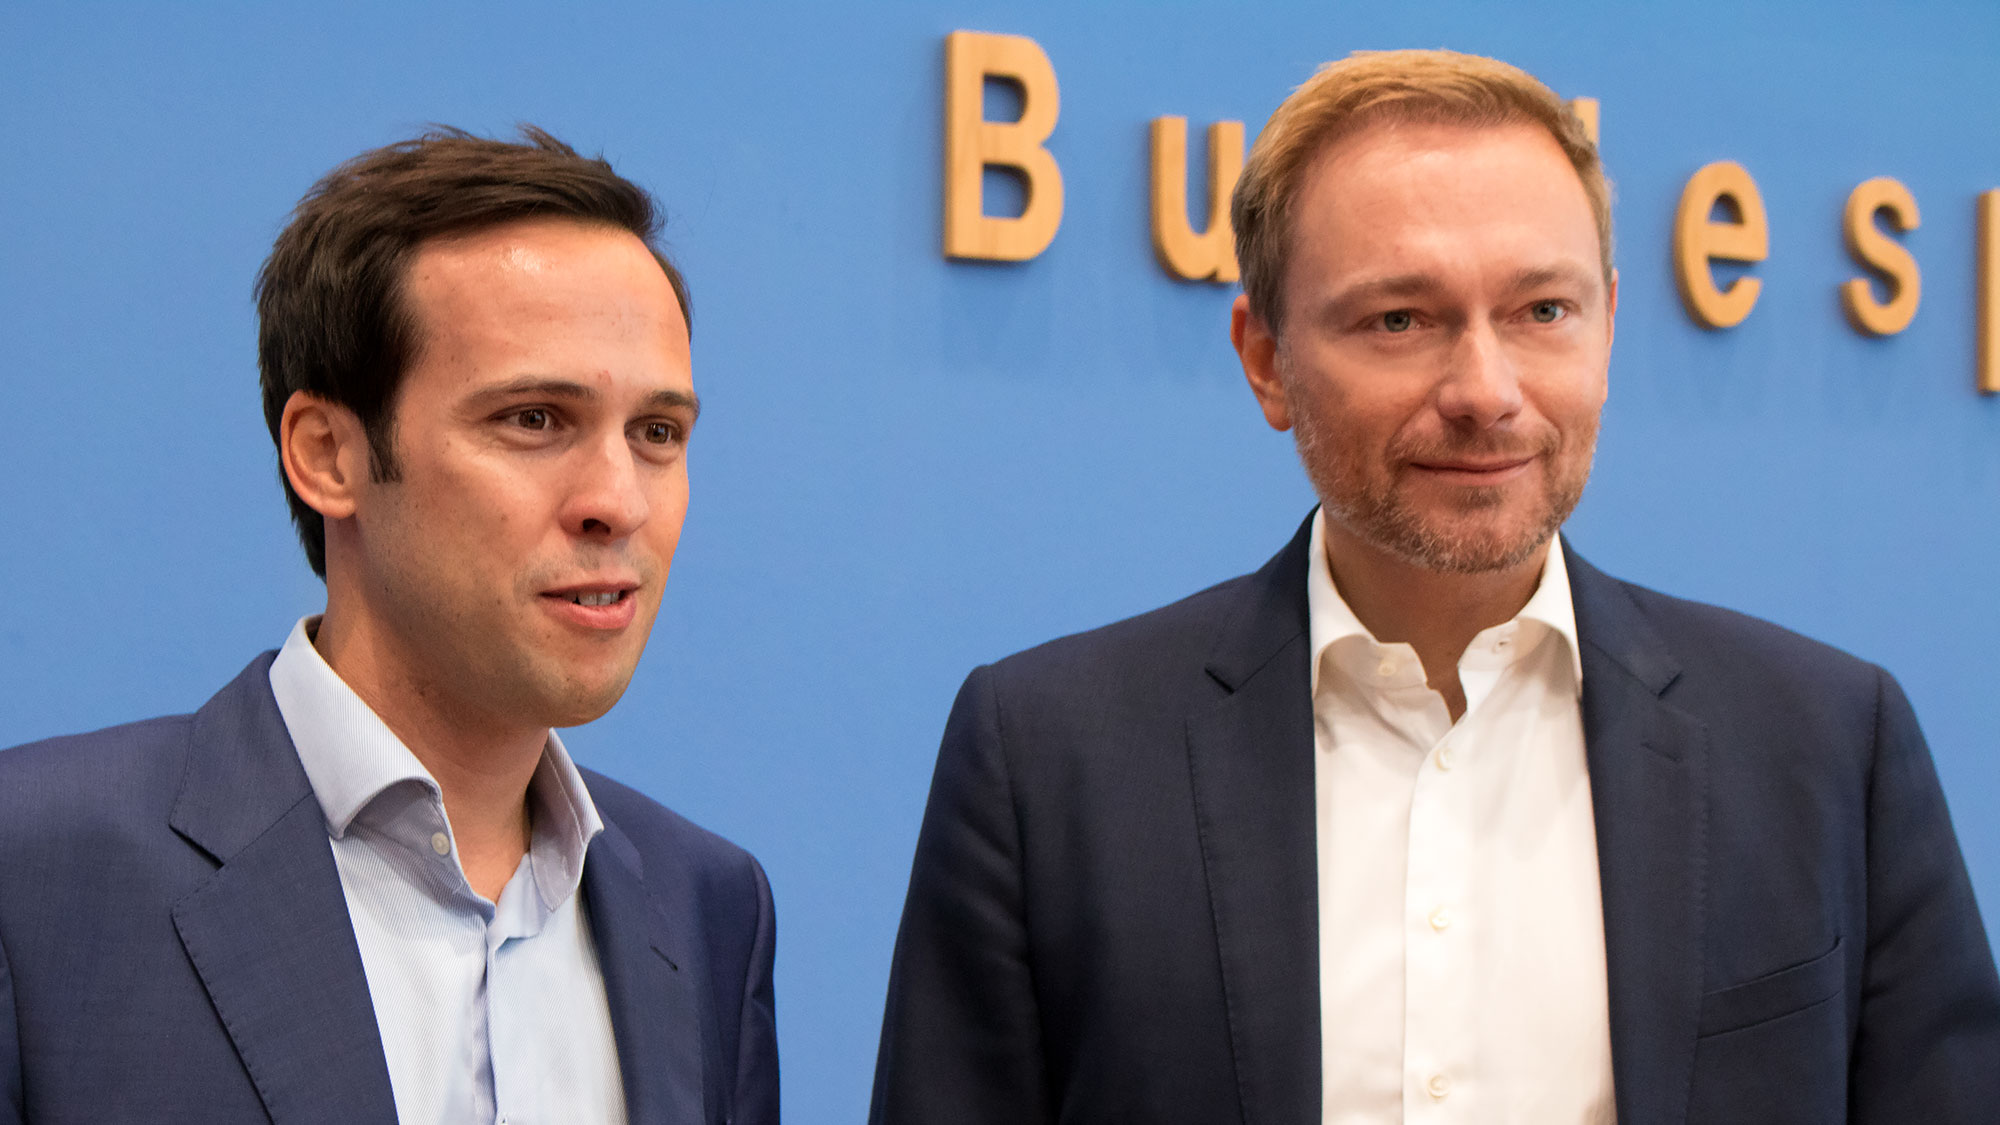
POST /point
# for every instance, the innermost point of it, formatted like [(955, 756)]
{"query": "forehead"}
[(530, 274), (1405, 196)]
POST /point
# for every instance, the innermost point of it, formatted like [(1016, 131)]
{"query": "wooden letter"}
[(1586, 111), (1869, 247), (972, 143), (1698, 239), (1210, 255), (1989, 292)]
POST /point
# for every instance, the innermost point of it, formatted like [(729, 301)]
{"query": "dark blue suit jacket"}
[(175, 945), (1112, 914)]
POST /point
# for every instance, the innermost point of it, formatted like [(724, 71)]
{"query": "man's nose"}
[(1482, 382), (607, 497)]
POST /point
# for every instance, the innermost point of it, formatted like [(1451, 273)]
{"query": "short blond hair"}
[(1368, 87)]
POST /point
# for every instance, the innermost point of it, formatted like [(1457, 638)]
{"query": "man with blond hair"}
[(1428, 819)]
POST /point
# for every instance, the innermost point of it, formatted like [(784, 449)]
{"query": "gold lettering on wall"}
[(1989, 292), (1869, 247), (1211, 254), (1721, 216), (1699, 239), (972, 144), (1587, 111)]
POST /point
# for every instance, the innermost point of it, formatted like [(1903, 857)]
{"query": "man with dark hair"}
[(365, 881), (1428, 820)]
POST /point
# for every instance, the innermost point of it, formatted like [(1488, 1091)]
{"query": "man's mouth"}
[(594, 595), (1482, 466), (604, 605)]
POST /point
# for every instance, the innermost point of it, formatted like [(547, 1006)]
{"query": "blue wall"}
[(908, 466)]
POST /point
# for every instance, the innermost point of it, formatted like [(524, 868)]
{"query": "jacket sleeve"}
[(961, 1037), (1928, 1043), (757, 1034), (13, 1110)]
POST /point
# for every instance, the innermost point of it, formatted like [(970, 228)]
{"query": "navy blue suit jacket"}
[(1113, 913), (175, 945)]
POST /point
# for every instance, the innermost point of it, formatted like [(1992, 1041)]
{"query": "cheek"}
[(1385, 425), (1578, 410), (487, 529), (1569, 394), (1338, 404), (1372, 402), (669, 511), (464, 489)]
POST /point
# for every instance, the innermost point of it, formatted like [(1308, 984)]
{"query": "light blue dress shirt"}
[(490, 1012)]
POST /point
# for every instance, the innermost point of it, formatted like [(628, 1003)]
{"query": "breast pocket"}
[(1774, 995)]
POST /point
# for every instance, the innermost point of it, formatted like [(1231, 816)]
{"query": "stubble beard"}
[(1453, 542)]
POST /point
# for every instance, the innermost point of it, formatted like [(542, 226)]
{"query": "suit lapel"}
[(657, 1011), (1648, 775), (268, 933), (1250, 754)]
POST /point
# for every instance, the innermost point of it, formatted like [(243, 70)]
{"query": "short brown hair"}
[(331, 318), (1367, 87)]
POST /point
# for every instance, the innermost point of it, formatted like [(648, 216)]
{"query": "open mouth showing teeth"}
[(605, 598)]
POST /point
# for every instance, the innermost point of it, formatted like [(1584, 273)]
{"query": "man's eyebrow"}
[(1407, 285), (573, 391), (1537, 277), (676, 400), (1391, 287)]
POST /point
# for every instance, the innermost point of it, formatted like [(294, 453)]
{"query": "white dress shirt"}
[(1461, 930), (490, 1012)]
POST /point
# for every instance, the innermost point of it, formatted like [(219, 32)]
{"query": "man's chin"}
[(1476, 542), (572, 696), (589, 706), (1484, 557)]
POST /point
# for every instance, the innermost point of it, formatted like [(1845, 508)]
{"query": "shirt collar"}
[(1552, 606), (1331, 620), (351, 758)]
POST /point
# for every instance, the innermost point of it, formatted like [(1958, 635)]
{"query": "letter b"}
[(972, 143)]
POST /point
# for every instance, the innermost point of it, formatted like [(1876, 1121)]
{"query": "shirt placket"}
[(517, 917), (500, 1009), (473, 918), (1439, 964)]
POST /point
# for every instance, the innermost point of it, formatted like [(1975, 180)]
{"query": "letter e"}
[(1698, 239)]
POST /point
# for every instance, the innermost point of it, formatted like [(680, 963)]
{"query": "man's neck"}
[(482, 767), (1434, 612)]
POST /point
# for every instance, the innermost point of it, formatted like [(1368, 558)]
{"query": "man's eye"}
[(660, 433), (1398, 321), (1547, 312), (533, 418)]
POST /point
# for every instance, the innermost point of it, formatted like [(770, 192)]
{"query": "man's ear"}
[(1611, 310), (324, 451), (1258, 351)]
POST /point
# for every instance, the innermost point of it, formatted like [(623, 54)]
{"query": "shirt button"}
[(440, 843), (1440, 918), (1386, 668), (1438, 1086), (1445, 758)]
